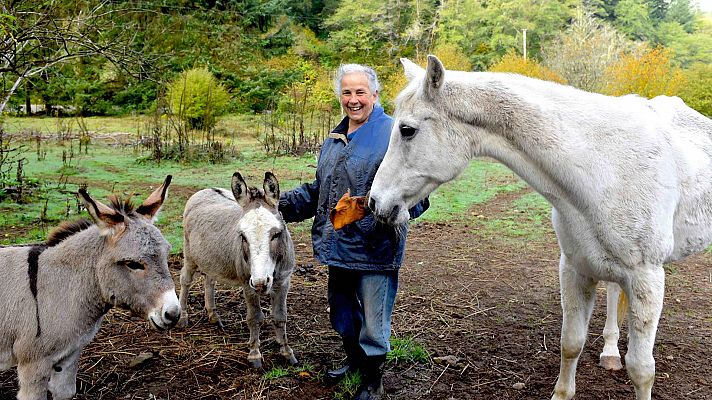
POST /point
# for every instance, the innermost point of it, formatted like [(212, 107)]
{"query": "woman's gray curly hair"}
[(345, 69)]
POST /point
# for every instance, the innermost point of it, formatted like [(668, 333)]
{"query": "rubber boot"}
[(372, 378), (354, 355)]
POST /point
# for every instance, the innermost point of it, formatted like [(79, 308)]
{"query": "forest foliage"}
[(276, 57)]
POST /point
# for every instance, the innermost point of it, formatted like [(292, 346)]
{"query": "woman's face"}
[(356, 97)]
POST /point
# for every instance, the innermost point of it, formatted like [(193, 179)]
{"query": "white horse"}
[(630, 181)]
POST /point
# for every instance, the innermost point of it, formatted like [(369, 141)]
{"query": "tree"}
[(39, 35), (582, 53), (649, 73), (633, 19), (487, 30)]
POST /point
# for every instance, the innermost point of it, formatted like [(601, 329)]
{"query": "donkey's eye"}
[(407, 131), (276, 236), (134, 265)]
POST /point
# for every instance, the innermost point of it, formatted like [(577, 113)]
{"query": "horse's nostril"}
[(394, 212)]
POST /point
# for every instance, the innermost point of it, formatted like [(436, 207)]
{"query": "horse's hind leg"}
[(213, 316), (34, 380), (186, 279), (610, 358), (254, 319), (577, 298), (645, 296), (279, 321)]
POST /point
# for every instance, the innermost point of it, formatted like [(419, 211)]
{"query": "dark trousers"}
[(361, 304)]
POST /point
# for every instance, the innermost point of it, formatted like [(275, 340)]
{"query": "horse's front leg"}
[(63, 379), (577, 298), (645, 296), (279, 320), (610, 358), (34, 379), (254, 319)]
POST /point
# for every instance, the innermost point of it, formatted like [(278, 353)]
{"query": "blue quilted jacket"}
[(365, 244)]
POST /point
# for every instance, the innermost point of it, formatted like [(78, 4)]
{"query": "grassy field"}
[(122, 169)]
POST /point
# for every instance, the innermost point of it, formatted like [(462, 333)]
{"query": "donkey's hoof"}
[(292, 360), (257, 364), (215, 320), (183, 321), (611, 363)]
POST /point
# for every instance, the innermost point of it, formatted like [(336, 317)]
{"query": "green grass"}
[(304, 371), (479, 183), (347, 387), (407, 350), (528, 218)]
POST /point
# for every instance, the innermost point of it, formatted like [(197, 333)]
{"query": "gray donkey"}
[(53, 296), (240, 238)]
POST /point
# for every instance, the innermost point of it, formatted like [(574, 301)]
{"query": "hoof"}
[(292, 360), (215, 320), (257, 364), (611, 363), (183, 321)]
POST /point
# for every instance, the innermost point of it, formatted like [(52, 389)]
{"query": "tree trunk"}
[(28, 102)]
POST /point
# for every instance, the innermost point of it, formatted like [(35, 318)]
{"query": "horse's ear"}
[(271, 188), (411, 69), (434, 76), (150, 207), (239, 189), (106, 218)]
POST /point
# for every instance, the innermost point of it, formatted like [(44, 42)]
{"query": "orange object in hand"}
[(348, 210)]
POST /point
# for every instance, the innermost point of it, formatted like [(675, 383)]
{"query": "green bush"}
[(697, 93), (198, 98)]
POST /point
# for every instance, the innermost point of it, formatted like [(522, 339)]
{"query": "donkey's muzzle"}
[(166, 316), (261, 285)]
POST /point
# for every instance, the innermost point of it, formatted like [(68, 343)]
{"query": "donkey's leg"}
[(645, 297), (577, 298), (63, 379), (34, 379), (279, 320), (186, 279), (610, 358), (213, 316), (254, 319)]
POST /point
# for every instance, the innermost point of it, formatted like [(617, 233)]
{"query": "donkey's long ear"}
[(411, 69), (271, 188), (434, 76), (239, 189), (106, 218), (150, 207)]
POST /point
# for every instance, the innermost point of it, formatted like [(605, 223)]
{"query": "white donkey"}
[(53, 297), (630, 181), (239, 237)]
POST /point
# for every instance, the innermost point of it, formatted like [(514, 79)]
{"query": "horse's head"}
[(132, 269), (427, 147), (264, 236)]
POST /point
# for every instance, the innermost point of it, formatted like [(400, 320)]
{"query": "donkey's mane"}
[(67, 229)]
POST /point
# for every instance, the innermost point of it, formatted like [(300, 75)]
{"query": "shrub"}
[(513, 62), (198, 98), (697, 93), (647, 74)]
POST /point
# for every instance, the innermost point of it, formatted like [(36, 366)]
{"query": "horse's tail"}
[(622, 308)]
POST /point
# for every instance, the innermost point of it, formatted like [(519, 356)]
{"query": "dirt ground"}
[(491, 302)]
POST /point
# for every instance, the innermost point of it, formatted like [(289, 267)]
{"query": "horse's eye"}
[(134, 265), (407, 131)]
